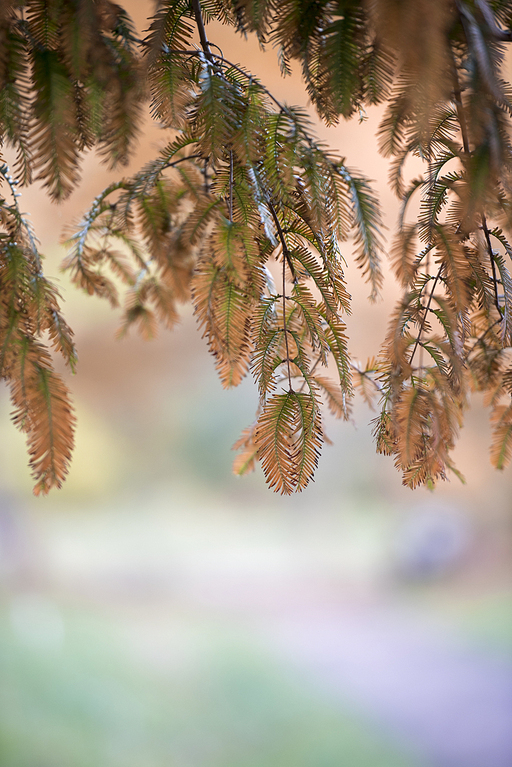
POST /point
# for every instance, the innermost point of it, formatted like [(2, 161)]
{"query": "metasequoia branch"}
[(205, 45)]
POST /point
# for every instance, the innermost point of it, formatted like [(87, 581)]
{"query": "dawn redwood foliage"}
[(243, 212)]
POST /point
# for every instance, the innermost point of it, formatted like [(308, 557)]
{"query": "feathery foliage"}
[(244, 211), (29, 311)]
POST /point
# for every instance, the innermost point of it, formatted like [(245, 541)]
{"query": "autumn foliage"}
[(245, 213)]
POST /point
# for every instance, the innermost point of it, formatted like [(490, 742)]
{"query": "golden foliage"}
[(245, 462), (42, 409), (501, 449), (223, 309), (29, 309), (288, 437), (243, 212)]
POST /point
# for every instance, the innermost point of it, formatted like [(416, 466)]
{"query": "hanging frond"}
[(404, 254), (457, 271), (245, 461), (223, 311), (501, 448), (337, 400), (53, 137), (365, 381), (367, 230), (288, 438), (42, 409)]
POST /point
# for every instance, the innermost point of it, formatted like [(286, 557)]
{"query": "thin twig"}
[(284, 246), (481, 338), (427, 309), (310, 373), (430, 238), (286, 329), (205, 45), (231, 186), (366, 374), (493, 265), (172, 163)]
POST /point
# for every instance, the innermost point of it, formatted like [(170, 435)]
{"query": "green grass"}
[(175, 691), (488, 621)]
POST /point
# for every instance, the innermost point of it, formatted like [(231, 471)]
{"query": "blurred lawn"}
[(485, 621), (88, 697)]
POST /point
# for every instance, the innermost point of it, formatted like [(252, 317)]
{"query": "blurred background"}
[(159, 611)]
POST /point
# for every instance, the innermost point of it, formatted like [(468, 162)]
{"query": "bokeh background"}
[(158, 611)]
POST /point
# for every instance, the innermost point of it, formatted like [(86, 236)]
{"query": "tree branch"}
[(205, 45), (280, 234)]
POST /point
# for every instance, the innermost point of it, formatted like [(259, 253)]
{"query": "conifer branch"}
[(174, 163), (255, 185)]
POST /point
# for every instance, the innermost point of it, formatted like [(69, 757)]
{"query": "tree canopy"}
[(244, 213)]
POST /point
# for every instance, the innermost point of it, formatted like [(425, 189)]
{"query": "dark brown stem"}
[(172, 163), (231, 185), (366, 374), (280, 234), (205, 45), (314, 367), (430, 221), (205, 176), (465, 144), (493, 265)]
